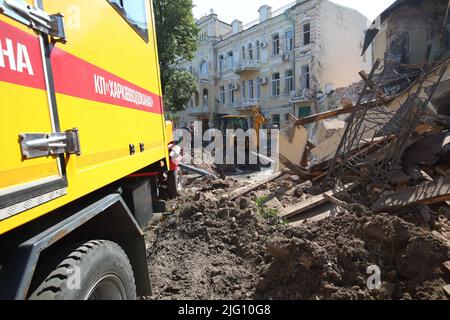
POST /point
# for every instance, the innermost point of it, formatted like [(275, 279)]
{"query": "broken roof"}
[(376, 24)]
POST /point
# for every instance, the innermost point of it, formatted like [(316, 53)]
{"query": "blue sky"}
[(247, 10)]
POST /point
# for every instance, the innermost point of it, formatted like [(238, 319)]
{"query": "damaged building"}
[(413, 32), (397, 105), (406, 38)]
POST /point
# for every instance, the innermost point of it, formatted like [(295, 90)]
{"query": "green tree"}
[(176, 32), (178, 90)]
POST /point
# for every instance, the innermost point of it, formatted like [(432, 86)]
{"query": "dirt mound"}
[(329, 260), (215, 248), (212, 249)]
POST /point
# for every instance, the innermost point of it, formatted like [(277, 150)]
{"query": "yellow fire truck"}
[(84, 147)]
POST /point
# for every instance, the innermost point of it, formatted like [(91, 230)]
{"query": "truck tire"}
[(105, 273), (175, 182)]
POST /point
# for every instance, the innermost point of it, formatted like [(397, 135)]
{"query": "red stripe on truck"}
[(21, 63), (78, 78), (20, 58)]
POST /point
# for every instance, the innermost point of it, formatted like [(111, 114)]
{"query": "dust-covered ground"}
[(215, 248)]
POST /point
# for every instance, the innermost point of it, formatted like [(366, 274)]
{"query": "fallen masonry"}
[(229, 249), (368, 189)]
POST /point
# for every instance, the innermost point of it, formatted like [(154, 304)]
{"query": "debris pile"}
[(330, 260), (214, 247), (370, 194), (341, 97)]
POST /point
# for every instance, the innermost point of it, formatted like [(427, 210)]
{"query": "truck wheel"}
[(175, 182), (96, 270)]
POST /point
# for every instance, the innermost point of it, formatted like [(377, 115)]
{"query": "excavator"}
[(236, 122)]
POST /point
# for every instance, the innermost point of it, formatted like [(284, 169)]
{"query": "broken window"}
[(276, 84), (305, 77), (276, 44), (306, 34)]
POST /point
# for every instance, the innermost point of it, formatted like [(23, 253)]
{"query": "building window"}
[(258, 88), (222, 95), (205, 97), (251, 93), (231, 93), (306, 34), (250, 51), (289, 86), (276, 44), (196, 99), (258, 50), (275, 84), (221, 62), (289, 38), (276, 120), (304, 112), (230, 60), (204, 67), (135, 13), (243, 53), (306, 82), (243, 90)]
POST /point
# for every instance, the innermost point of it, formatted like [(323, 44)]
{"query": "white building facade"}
[(281, 63)]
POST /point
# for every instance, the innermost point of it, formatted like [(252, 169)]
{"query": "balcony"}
[(246, 104), (198, 111), (227, 109), (301, 95), (202, 77), (246, 66)]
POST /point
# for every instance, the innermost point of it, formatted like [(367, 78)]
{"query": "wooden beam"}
[(341, 111), (313, 202), (296, 169), (324, 115), (436, 191), (335, 201), (247, 189)]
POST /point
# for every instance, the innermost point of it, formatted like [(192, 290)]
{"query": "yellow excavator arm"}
[(259, 121)]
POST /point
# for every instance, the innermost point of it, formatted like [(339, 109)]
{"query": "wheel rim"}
[(109, 287)]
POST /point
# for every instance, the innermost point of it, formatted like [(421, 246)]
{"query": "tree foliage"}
[(178, 90), (177, 39)]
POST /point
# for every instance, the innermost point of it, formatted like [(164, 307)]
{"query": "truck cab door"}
[(32, 146)]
